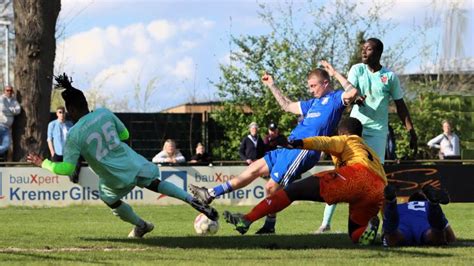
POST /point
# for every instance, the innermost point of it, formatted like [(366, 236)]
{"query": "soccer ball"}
[(205, 226)]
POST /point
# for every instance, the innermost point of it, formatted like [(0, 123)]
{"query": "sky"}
[(111, 47)]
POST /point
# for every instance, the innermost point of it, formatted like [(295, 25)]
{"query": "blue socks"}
[(221, 189), (436, 217), (390, 217)]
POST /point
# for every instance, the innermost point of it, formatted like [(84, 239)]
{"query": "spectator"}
[(9, 108), (252, 146), (169, 154), (57, 132), (447, 143), (201, 155), (273, 140)]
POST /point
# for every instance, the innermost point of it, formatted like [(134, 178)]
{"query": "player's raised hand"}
[(328, 67), (34, 159), (295, 144), (267, 80)]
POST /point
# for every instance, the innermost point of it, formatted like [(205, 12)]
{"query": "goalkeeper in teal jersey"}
[(98, 136)]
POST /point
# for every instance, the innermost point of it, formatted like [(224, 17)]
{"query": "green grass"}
[(92, 235)]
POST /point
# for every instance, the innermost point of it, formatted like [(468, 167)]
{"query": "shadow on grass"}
[(270, 242)]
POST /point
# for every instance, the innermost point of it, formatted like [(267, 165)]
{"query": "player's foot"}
[(265, 231), (139, 232), (390, 192), (435, 195), (322, 229), (370, 233), (207, 210), (238, 220), (201, 193)]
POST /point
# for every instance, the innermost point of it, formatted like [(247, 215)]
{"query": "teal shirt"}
[(96, 137), (379, 87)]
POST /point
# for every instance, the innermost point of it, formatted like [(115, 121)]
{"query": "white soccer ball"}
[(205, 226)]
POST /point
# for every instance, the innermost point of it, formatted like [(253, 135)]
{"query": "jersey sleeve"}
[(338, 100), (352, 77), (332, 145), (305, 106), (395, 90), (121, 129)]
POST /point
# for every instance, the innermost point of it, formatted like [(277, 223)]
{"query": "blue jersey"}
[(413, 217), (320, 116)]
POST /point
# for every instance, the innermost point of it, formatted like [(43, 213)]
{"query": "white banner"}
[(33, 186)]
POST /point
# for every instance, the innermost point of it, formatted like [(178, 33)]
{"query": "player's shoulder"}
[(359, 68), (388, 72)]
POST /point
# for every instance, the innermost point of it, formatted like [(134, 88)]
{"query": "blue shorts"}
[(413, 230), (287, 165)]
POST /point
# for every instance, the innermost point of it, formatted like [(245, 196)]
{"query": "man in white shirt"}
[(447, 143)]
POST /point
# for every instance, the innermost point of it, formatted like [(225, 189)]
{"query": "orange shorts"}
[(357, 185)]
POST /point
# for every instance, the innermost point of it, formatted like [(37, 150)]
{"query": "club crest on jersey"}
[(384, 79), (325, 100), (313, 115)]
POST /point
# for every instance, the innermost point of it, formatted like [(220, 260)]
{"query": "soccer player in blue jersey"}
[(321, 116), (98, 136), (420, 221)]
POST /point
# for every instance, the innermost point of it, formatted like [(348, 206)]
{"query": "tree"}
[(35, 43), (289, 52)]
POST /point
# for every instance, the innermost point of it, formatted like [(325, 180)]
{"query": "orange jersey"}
[(347, 150)]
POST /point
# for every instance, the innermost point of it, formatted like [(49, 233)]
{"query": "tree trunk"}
[(35, 44)]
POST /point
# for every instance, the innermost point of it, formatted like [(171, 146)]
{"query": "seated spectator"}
[(201, 155), (447, 143), (169, 154), (252, 146), (273, 140)]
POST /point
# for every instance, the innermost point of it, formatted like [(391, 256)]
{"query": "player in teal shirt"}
[(98, 136), (377, 85)]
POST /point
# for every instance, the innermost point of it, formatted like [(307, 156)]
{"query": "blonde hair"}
[(169, 141)]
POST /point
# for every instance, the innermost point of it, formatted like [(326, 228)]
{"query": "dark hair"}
[(378, 45), (72, 96), (417, 196), (61, 108), (351, 125), (320, 73)]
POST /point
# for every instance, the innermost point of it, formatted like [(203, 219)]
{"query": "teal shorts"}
[(376, 142), (145, 176)]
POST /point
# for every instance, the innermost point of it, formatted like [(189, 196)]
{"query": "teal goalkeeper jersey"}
[(379, 87), (96, 137)]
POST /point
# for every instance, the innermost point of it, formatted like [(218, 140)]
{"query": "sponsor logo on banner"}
[(217, 177)]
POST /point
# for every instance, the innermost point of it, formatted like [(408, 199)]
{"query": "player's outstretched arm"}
[(285, 103), (62, 168), (350, 92)]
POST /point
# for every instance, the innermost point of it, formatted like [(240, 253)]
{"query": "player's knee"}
[(271, 187)]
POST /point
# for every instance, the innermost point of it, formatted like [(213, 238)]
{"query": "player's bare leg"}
[(253, 171)]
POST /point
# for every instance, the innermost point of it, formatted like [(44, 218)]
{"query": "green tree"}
[(289, 52)]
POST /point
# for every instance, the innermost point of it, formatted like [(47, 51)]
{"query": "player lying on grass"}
[(420, 221), (321, 115), (97, 136), (358, 179)]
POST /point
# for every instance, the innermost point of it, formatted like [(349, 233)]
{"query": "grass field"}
[(92, 235)]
